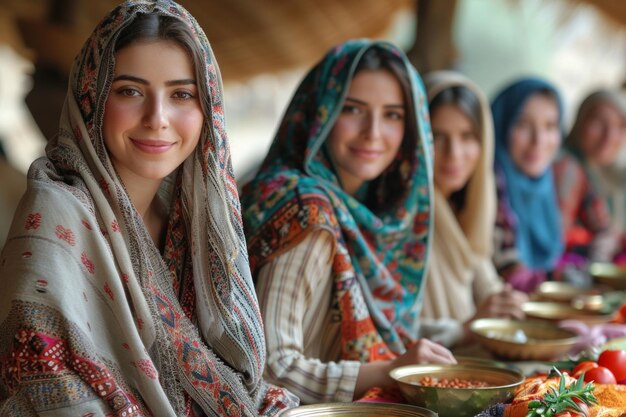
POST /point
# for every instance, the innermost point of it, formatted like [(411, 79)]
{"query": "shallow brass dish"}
[(549, 310), (608, 274), (561, 292), (358, 409), (541, 341), (457, 402)]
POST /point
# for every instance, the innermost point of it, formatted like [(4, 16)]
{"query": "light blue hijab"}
[(539, 237)]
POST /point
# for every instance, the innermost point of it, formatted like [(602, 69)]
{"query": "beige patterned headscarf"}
[(94, 319), (461, 257)]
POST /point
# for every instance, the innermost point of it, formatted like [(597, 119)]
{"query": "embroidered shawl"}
[(94, 319), (533, 201), (380, 258), (608, 181), (462, 241)]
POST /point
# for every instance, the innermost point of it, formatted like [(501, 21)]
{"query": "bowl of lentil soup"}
[(456, 390)]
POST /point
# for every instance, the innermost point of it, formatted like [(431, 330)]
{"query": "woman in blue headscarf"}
[(528, 239)]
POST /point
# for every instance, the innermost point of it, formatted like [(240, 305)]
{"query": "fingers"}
[(431, 352), (507, 303)]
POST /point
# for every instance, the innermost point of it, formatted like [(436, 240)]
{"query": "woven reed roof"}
[(249, 37)]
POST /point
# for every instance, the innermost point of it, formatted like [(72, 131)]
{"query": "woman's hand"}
[(424, 351), (376, 374), (505, 304)]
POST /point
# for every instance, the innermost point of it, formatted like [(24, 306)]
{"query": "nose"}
[(454, 148), (155, 116), (537, 136), (373, 126)]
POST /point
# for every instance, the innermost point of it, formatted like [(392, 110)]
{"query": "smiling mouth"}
[(152, 146), (366, 153)]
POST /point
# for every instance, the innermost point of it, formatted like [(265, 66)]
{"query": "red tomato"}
[(615, 360), (600, 375), (583, 366)]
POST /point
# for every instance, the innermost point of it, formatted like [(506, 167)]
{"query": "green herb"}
[(561, 400)]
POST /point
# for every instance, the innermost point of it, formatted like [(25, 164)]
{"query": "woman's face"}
[(457, 148), (535, 137), (602, 134), (152, 118), (368, 133)]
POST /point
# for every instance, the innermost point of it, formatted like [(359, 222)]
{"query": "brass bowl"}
[(523, 339), (561, 292), (551, 311), (357, 409), (457, 402), (609, 274)]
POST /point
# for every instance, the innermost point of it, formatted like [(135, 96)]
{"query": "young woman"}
[(462, 283), (338, 221), (590, 176), (528, 239), (126, 289)]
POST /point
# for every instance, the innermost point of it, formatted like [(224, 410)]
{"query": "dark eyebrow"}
[(363, 103), (145, 82)]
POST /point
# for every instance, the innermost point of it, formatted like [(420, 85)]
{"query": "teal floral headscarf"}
[(380, 254)]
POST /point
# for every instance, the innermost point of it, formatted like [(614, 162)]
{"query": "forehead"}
[(540, 104), (154, 58), (376, 85), (604, 108)]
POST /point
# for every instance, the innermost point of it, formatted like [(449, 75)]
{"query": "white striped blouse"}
[(301, 328)]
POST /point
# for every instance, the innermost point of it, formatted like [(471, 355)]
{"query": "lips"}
[(152, 146), (366, 153), (452, 171)]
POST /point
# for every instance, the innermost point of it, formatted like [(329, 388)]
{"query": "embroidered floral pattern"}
[(88, 264), (33, 221), (66, 235)]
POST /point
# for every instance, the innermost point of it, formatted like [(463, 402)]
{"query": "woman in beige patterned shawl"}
[(125, 284), (462, 283)]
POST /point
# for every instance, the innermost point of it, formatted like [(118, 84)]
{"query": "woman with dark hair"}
[(528, 240), (462, 283), (338, 223), (126, 287), (591, 179)]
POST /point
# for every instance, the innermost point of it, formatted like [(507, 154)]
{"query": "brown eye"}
[(350, 109), (183, 95), (395, 115), (128, 92)]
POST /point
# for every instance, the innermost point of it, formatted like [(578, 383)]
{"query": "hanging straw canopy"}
[(249, 37)]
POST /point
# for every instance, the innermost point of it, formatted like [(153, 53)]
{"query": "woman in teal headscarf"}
[(338, 222), (527, 124)]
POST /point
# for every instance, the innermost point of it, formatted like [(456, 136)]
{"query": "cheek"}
[(394, 135), (116, 119), (472, 155), (190, 122), (518, 144), (342, 132), (554, 142)]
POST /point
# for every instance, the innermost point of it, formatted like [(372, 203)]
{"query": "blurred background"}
[(264, 47)]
